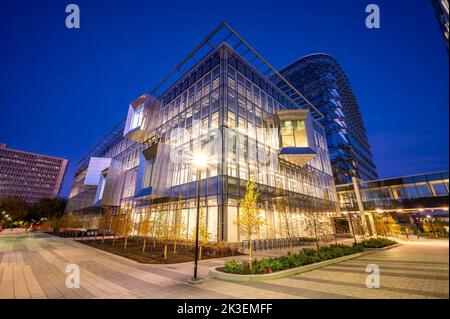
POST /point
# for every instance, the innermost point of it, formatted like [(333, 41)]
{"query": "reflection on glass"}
[(137, 117), (293, 134)]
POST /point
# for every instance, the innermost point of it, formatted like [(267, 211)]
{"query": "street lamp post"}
[(197, 223), (200, 161)]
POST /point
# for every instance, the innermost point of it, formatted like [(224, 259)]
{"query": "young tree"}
[(391, 225), (178, 224), (51, 224), (106, 221), (316, 226), (162, 228), (203, 234), (144, 229), (288, 223), (177, 229), (379, 224), (69, 222), (116, 226), (250, 222), (127, 227), (436, 227)]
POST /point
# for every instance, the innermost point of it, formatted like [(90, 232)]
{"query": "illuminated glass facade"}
[(322, 81), (425, 191), (227, 109)]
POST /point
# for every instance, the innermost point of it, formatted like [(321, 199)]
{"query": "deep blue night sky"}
[(61, 90)]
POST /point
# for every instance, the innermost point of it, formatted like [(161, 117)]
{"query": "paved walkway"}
[(32, 265)]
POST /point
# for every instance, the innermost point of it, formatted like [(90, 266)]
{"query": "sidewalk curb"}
[(383, 248), (214, 273)]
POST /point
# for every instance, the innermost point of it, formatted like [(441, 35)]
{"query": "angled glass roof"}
[(224, 33), (102, 146)]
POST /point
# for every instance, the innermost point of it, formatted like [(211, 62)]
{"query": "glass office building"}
[(322, 81), (406, 198), (249, 129), (408, 194)]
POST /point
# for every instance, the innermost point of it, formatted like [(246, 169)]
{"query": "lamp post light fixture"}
[(199, 162)]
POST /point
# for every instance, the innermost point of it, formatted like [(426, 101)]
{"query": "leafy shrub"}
[(262, 266), (305, 257), (309, 251), (377, 243), (231, 266)]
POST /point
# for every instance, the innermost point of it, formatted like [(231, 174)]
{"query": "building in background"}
[(407, 197), (441, 9), (226, 108), (30, 176), (321, 80)]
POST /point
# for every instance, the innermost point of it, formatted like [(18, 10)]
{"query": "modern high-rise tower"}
[(441, 9), (320, 79)]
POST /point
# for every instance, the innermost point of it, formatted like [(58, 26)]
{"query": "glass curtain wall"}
[(223, 99)]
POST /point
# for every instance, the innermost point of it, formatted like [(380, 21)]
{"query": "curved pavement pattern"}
[(32, 265)]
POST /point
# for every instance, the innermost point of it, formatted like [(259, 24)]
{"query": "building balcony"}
[(297, 144), (142, 118), (154, 172), (94, 170), (109, 189), (299, 156)]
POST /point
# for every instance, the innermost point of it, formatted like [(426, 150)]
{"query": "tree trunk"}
[(175, 247), (200, 253), (143, 245), (250, 254), (315, 232), (125, 242), (165, 251), (384, 231), (114, 239)]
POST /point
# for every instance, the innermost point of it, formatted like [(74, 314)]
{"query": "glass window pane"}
[(300, 134), (439, 189), (424, 190)]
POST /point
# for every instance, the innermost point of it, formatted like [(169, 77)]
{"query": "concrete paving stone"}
[(32, 265)]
